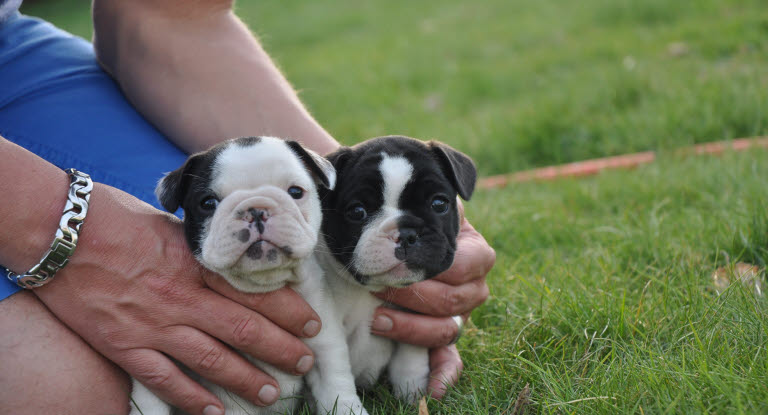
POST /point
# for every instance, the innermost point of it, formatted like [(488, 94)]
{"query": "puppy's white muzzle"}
[(374, 255), (254, 231)]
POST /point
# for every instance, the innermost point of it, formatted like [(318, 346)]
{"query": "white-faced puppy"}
[(252, 215), (391, 221)]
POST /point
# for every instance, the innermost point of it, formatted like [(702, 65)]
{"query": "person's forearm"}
[(134, 292), (197, 73), (34, 193)]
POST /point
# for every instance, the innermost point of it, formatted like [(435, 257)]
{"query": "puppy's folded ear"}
[(459, 167), (317, 165), (339, 158), (172, 188)]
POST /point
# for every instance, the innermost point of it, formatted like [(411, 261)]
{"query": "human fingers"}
[(165, 380), (437, 298), (416, 329), (459, 289), (283, 307), (250, 332), (445, 367), (220, 365), (473, 259)]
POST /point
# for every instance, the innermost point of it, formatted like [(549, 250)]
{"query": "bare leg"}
[(46, 368)]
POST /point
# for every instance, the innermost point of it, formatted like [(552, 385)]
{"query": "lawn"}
[(515, 83), (602, 298)]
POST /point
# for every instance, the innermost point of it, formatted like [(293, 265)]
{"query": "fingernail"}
[(304, 364), (212, 410), (268, 394), (382, 323), (312, 328)]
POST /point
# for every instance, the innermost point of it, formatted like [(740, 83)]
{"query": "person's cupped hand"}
[(455, 292), (136, 294)]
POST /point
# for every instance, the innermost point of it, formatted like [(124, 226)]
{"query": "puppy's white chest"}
[(359, 313), (368, 354)]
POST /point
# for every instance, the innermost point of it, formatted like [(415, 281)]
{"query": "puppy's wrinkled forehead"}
[(248, 165)]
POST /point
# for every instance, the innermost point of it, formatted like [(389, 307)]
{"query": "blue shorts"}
[(57, 102)]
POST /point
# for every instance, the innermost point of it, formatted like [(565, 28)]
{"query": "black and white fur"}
[(252, 214), (391, 221)]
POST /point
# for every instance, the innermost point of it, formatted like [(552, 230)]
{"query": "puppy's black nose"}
[(408, 237)]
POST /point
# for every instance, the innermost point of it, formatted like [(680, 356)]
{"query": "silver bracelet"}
[(63, 246)]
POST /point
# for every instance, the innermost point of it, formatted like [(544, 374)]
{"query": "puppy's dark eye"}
[(440, 204), (296, 192), (356, 212), (209, 203)]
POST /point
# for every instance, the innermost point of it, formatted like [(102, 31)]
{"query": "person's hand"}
[(135, 293), (457, 291)]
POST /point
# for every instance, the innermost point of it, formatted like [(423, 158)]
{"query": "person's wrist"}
[(25, 248), (65, 237), (122, 232)]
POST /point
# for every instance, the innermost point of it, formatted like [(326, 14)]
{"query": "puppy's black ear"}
[(319, 166), (339, 158), (459, 167), (172, 188)]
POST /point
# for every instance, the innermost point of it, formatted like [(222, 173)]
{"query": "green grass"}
[(603, 289), (516, 83), (602, 299)]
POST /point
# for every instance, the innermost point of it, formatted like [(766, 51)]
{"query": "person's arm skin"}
[(196, 72), (134, 292)]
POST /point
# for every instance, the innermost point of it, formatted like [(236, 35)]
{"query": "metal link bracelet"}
[(63, 246)]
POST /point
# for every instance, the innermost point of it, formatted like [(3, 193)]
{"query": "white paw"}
[(352, 406), (341, 407), (411, 387)]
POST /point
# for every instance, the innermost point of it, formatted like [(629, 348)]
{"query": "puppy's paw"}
[(340, 407), (350, 407), (347, 404), (411, 391), (409, 372), (410, 385)]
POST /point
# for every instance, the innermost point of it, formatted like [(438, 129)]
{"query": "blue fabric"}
[(56, 102)]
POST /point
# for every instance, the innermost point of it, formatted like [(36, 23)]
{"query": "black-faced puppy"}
[(252, 215), (391, 221)]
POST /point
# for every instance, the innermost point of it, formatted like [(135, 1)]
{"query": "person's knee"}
[(47, 368)]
